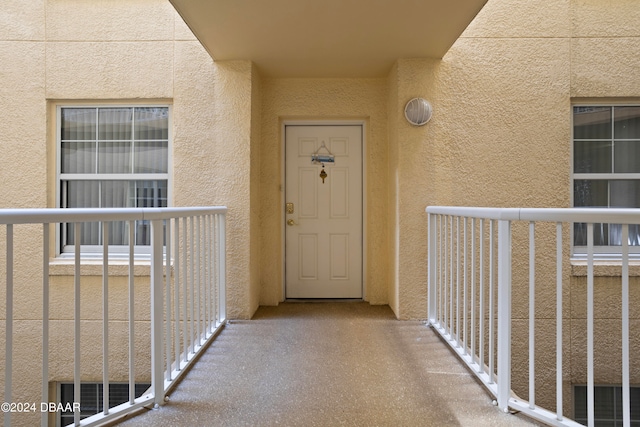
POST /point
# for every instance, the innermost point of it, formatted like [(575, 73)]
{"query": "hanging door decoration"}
[(320, 159)]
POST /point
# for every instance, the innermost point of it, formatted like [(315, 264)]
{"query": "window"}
[(112, 157), (91, 398), (606, 168), (607, 405)]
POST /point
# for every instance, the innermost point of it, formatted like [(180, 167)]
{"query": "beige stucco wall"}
[(499, 136), (118, 52), (501, 114), (393, 121), (255, 163)]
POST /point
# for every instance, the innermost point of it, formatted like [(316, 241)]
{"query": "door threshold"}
[(319, 300)]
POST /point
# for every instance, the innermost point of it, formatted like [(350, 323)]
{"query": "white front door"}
[(323, 219)]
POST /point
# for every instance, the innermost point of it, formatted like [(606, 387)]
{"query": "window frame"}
[(601, 252), (140, 387), (617, 392), (116, 251)]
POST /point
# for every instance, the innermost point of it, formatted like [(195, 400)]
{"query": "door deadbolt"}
[(289, 208)]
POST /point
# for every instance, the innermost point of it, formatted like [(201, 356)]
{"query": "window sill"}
[(92, 266), (604, 267)]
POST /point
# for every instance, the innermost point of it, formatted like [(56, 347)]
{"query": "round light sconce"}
[(418, 111)]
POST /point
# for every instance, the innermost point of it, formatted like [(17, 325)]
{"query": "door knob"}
[(291, 222)]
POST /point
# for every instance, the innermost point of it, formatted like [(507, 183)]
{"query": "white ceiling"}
[(327, 38)]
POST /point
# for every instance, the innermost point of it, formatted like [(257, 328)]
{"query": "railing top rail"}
[(56, 215), (589, 215)]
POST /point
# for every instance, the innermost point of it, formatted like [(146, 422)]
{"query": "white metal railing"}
[(187, 301), (470, 268)]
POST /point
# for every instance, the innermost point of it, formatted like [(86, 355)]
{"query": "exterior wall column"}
[(413, 180)]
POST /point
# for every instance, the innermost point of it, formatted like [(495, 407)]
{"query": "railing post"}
[(8, 366), (222, 267), (504, 314), (44, 419), (431, 266), (157, 303)]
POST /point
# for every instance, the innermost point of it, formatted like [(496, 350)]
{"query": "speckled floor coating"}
[(327, 364)]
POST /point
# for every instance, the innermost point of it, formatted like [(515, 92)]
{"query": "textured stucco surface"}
[(118, 70), (140, 20), (500, 136), (255, 195), (231, 174), (120, 52), (392, 177)]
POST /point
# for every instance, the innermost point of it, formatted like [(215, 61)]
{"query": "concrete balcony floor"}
[(327, 364)]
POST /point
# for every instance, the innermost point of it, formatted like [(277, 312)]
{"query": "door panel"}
[(339, 256), (339, 193), (307, 193), (323, 237)]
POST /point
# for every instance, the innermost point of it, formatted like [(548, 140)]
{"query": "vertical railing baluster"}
[(132, 322), (176, 290), (473, 290), (222, 267), (157, 309), (441, 251), (492, 371), (105, 318), (431, 268), (192, 284), (481, 302), (559, 370), (45, 320), (205, 275), (76, 323), (212, 280), (464, 289), (185, 290), (8, 373), (504, 314), (168, 304), (212, 274), (532, 315), (220, 236), (445, 284), (458, 281), (626, 398), (214, 260), (451, 276), (198, 280), (214, 266), (590, 374)]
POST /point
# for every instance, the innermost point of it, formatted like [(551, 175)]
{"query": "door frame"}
[(283, 190)]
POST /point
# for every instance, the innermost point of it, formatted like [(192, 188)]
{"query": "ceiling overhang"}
[(326, 38)]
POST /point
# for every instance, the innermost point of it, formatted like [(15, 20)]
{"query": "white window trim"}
[(117, 252), (601, 253)]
